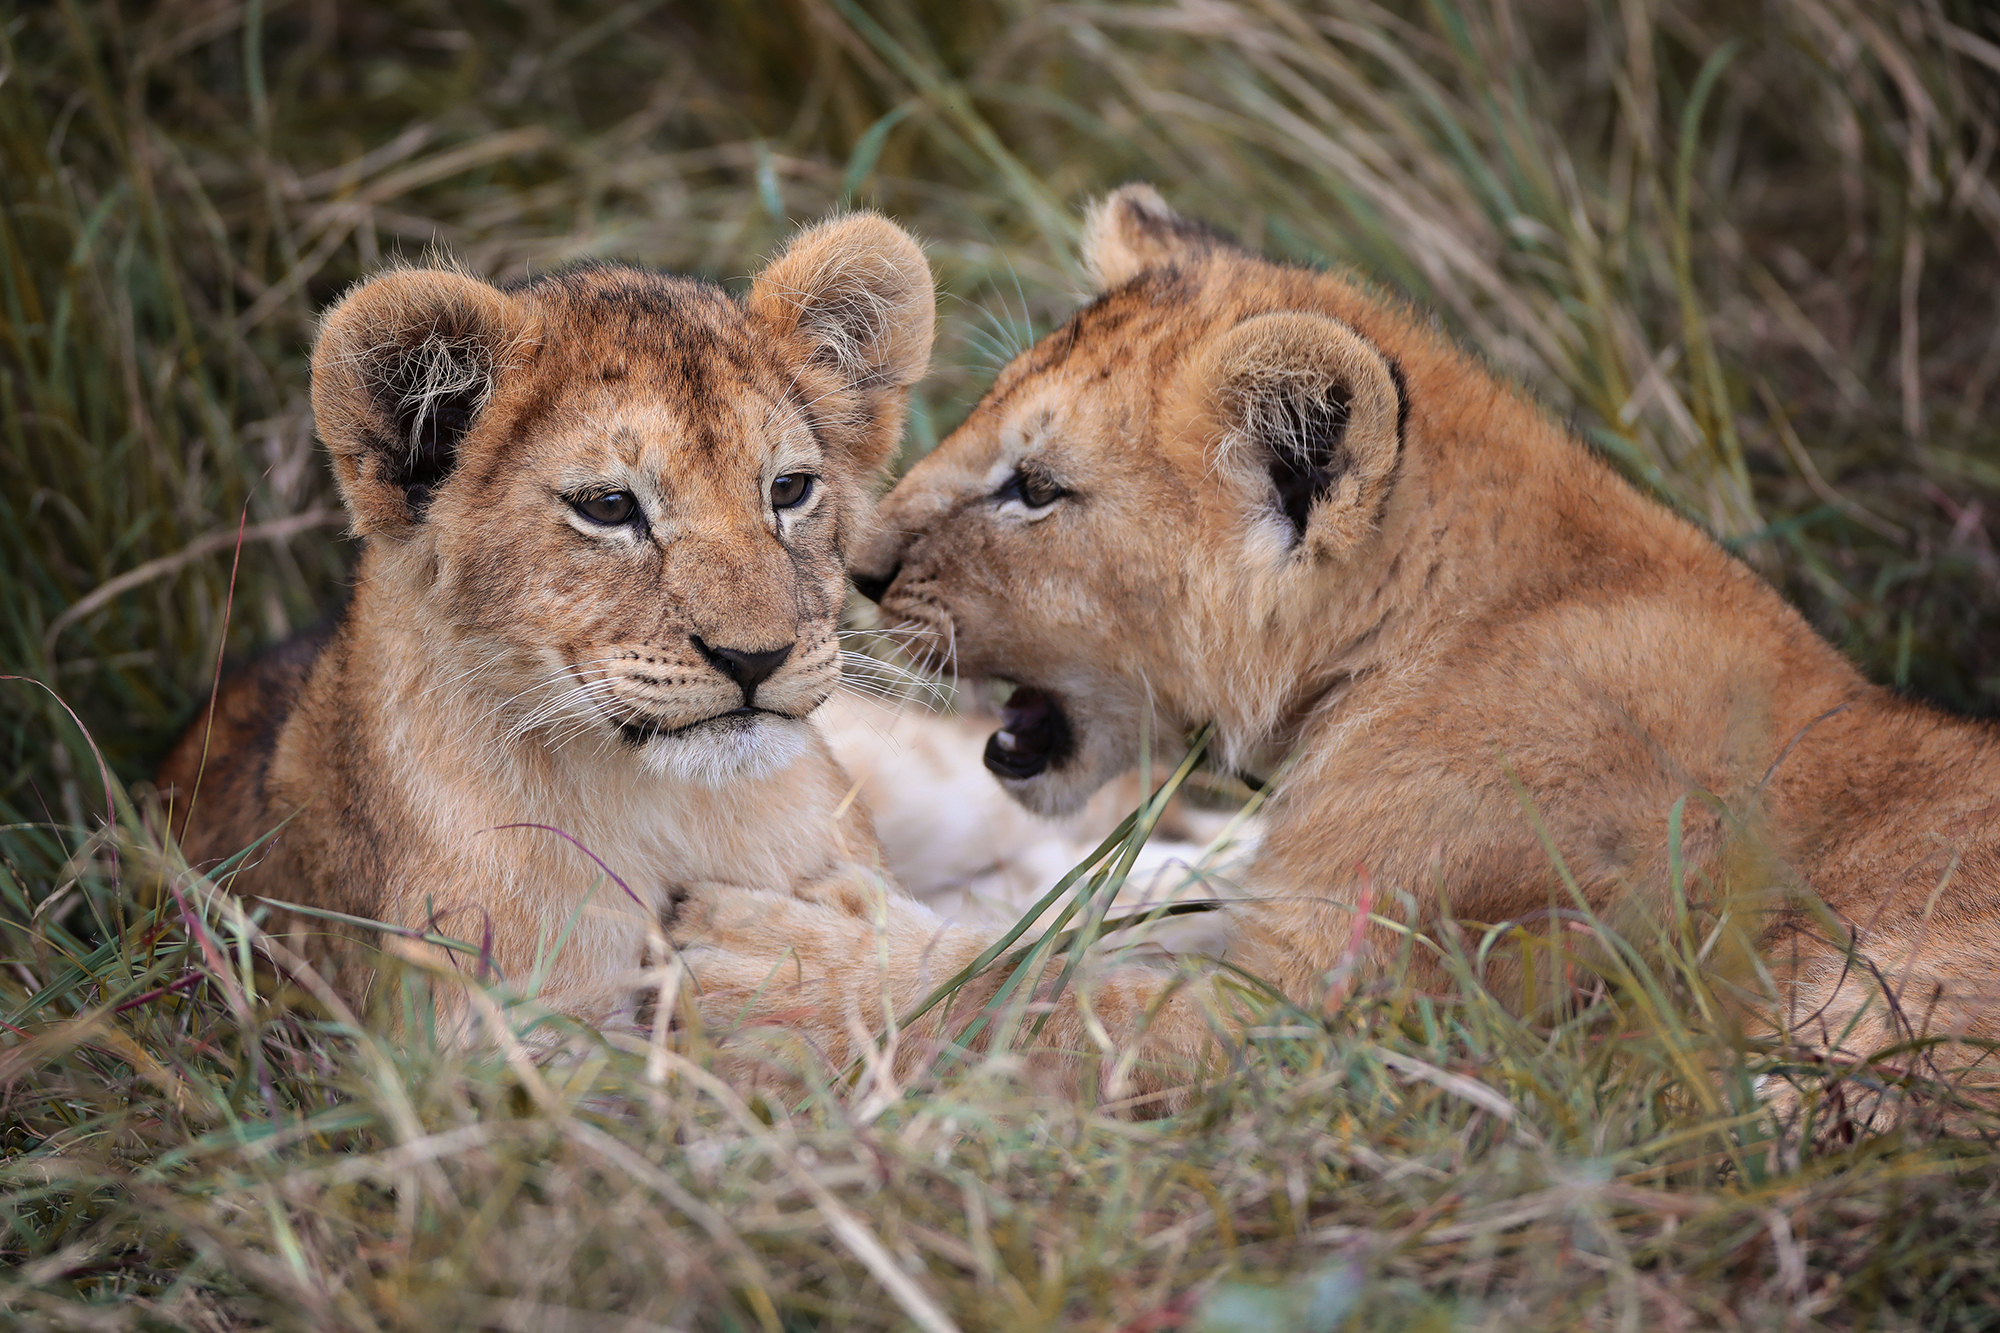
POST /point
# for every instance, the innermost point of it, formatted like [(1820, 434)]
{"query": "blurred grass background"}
[(1751, 250)]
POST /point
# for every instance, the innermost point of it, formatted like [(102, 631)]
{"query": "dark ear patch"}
[(1304, 432), (402, 368), (432, 392), (1304, 405)]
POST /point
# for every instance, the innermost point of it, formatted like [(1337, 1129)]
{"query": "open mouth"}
[(638, 733), (1033, 734)]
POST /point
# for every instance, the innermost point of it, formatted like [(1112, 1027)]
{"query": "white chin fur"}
[(717, 757)]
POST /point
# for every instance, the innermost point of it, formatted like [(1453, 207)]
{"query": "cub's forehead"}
[(638, 361), (1112, 359), (660, 331)]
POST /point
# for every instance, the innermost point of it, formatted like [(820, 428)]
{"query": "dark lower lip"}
[(1034, 734), (638, 733)]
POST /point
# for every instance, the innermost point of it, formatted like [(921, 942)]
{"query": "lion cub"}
[(1245, 493), (603, 514)]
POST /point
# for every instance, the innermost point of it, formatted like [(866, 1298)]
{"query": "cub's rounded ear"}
[(402, 366), (1310, 413), (1131, 230), (858, 291)]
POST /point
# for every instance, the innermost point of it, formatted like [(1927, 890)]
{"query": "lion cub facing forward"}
[(604, 516), (1252, 494)]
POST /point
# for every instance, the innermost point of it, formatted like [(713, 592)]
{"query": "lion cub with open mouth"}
[(604, 514), (1494, 680)]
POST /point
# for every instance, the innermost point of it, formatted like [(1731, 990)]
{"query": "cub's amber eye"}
[(790, 491), (611, 508), (1033, 489)]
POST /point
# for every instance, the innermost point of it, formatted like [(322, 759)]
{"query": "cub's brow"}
[(621, 437)]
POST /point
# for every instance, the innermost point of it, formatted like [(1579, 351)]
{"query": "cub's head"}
[(614, 505), (1163, 514)]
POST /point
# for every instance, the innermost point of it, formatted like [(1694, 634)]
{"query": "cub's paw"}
[(761, 958), (830, 962)]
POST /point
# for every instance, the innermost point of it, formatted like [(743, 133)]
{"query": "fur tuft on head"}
[(403, 365), (1132, 230), (858, 291)]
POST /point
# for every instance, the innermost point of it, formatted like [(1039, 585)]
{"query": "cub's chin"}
[(1051, 755), (742, 746)]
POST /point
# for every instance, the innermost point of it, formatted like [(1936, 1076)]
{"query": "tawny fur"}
[(1475, 627), (504, 661)]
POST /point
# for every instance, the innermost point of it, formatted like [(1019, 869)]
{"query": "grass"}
[(1753, 254)]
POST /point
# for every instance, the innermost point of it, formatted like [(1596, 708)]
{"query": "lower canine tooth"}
[(1008, 740)]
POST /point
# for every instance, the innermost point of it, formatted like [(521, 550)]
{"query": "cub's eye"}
[(1033, 489), (790, 491), (609, 509)]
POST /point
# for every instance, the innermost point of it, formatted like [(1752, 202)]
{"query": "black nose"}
[(748, 670), (873, 588)]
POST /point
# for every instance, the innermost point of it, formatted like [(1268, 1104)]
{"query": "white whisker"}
[(886, 680), (552, 678)]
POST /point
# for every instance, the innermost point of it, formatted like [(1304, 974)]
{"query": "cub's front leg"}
[(840, 961), (582, 962)]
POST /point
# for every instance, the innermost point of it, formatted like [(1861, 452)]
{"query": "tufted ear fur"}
[(1312, 410), (858, 289), (1131, 230), (402, 366)]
